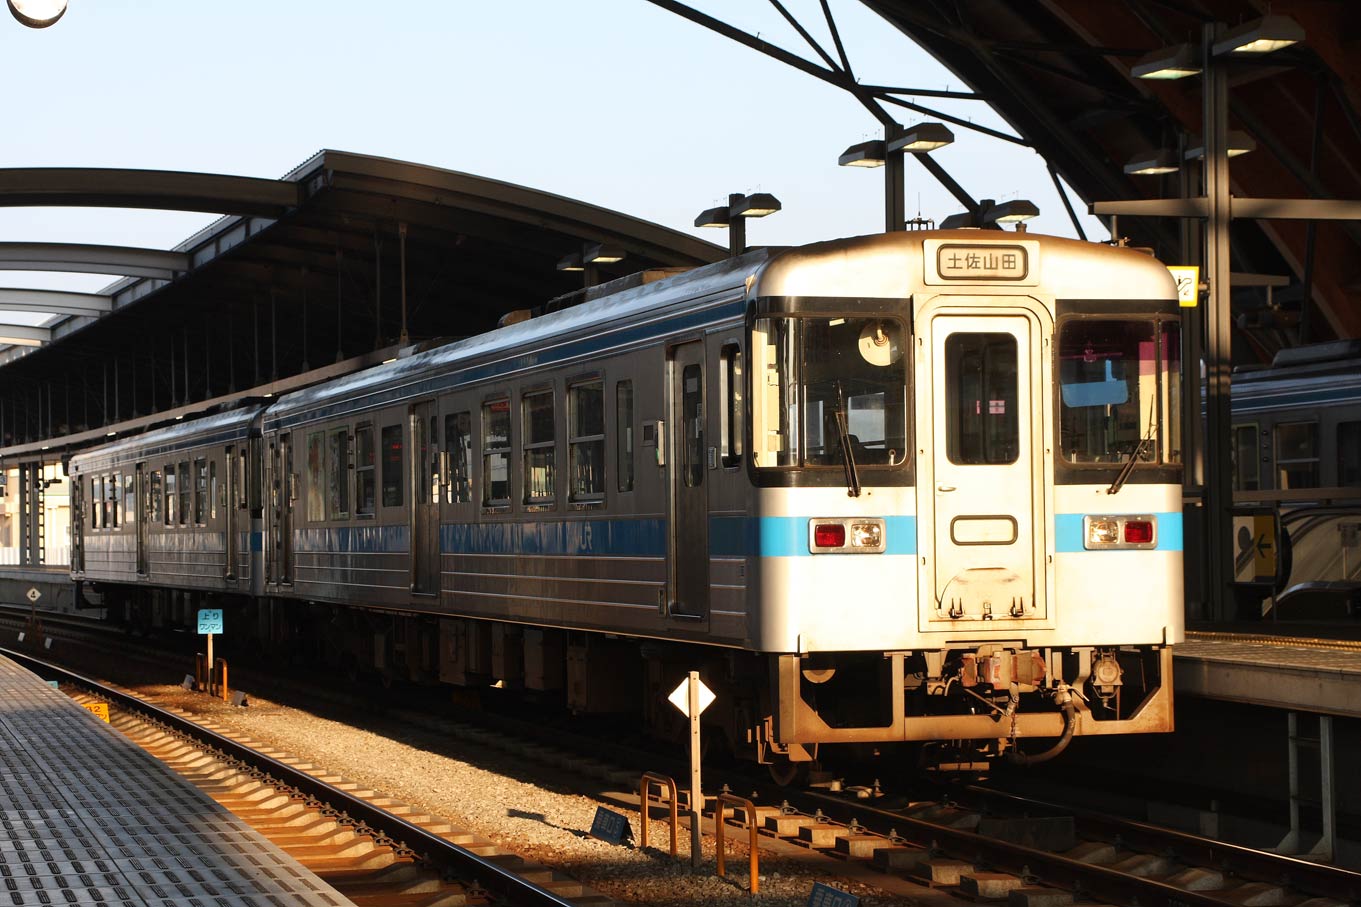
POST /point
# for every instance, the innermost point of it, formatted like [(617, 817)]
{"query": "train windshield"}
[(1119, 391), (808, 373)]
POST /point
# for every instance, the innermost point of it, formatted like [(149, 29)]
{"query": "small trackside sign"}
[(610, 827), (209, 620), (99, 708)]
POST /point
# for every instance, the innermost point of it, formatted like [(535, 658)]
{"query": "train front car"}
[(965, 446)]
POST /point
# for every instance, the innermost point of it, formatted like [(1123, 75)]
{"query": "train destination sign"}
[(990, 261)]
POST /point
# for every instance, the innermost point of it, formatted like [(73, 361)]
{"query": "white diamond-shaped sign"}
[(680, 697), (33, 594)]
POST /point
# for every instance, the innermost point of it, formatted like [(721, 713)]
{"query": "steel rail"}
[(464, 863)]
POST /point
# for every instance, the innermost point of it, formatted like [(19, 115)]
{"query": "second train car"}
[(921, 486)]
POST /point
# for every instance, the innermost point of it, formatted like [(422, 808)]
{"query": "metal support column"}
[(405, 337), (895, 162), (737, 228), (1218, 332), (1293, 843), (377, 290)]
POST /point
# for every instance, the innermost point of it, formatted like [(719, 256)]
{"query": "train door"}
[(689, 523), (143, 489), (227, 501), (981, 407), (282, 489), (425, 493)]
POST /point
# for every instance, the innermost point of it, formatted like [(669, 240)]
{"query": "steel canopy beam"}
[(1255, 208), (24, 334), (56, 302), (169, 190), (89, 259)]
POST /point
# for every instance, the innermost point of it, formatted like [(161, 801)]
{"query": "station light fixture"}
[(1239, 143), (734, 216), (989, 214), (1176, 62), (865, 154), (571, 262), (37, 13), (602, 253), (1260, 36), (922, 137), (1151, 163)]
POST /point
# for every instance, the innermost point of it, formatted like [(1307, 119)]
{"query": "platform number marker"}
[(99, 708), (1188, 284), (33, 594), (692, 697)]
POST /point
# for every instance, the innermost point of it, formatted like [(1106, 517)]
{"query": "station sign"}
[(209, 620), (1188, 284), (99, 708)]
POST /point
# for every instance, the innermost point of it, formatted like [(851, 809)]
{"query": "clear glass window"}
[(623, 438), (338, 474), (819, 384), (200, 490), (1349, 453), (365, 487), (1119, 391), (171, 494), (316, 464), (1247, 475), (981, 399), (155, 495), (393, 465), (1297, 460), (458, 438), (96, 502), (115, 499), (692, 425), (212, 490), (539, 447), (496, 453), (586, 440), (730, 393), (186, 486)]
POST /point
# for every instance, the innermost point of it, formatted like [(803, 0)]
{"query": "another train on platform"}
[(922, 486)]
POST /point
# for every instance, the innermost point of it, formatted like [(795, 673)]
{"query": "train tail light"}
[(1101, 533), (849, 535)]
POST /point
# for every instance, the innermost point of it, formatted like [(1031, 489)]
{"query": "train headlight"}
[(841, 535), (1119, 531)]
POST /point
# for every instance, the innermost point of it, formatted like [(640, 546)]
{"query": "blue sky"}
[(614, 102)]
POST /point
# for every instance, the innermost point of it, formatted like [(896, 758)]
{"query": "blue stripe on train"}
[(597, 538), (366, 539)]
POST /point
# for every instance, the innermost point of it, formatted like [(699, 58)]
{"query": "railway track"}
[(978, 842), (375, 850)]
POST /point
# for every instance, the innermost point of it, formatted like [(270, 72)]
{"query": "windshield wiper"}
[(844, 438), (1138, 452)]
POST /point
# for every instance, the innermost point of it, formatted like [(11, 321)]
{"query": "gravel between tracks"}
[(518, 804)]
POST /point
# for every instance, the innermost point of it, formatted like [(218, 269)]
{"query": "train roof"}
[(233, 425)]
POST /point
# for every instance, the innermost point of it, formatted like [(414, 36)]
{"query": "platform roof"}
[(300, 271)]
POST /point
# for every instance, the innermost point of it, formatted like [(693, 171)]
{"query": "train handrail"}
[(753, 858), (645, 804)]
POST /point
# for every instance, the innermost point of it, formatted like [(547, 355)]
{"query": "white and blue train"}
[(923, 486)]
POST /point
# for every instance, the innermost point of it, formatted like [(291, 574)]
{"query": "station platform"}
[(90, 818), (1274, 666), (47, 588)]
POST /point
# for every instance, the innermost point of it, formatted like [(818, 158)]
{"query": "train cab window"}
[(316, 458), (982, 391), (155, 496), (1349, 453), (1119, 391), (623, 434), (1297, 460), (586, 441), (186, 492), (1247, 474), (730, 395), (821, 384), (392, 465), (540, 472), (496, 453), (365, 488), (458, 440), (338, 475), (130, 514), (200, 491), (170, 494)]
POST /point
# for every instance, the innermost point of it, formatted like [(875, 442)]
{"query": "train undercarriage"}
[(967, 704)]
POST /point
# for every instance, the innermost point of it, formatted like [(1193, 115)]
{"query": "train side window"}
[(365, 489), (316, 503), (392, 465), (338, 475), (1297, 458), (156, 502), (200, 490), (186, 492), (458, 439), (623, 433), (115, 504), (692, 409), (1349, 453), (212, 491), (496, 453), (130, 514), (539, 444), (170, 494), (586, 441), (96, 502), (1247, 474), (730, 393)]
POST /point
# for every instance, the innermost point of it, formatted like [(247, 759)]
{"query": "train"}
[(920, 488)]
